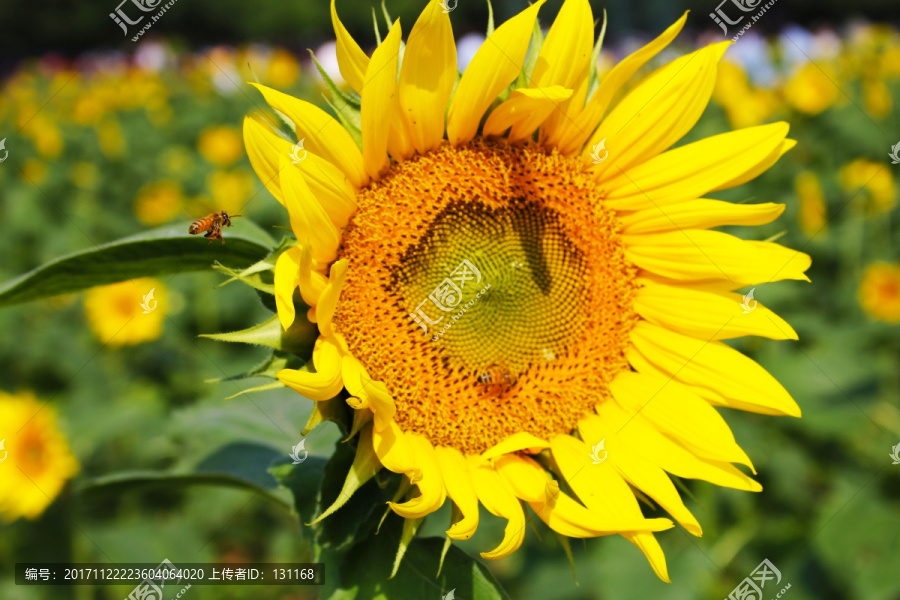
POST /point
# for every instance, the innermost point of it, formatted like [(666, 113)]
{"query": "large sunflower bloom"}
[(516, 315)]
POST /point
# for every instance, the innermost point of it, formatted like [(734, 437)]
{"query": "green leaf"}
[(362, 573), (303, 481), (239, 465), (157, 252)]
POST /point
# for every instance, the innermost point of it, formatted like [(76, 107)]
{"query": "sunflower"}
[(515, 280), (879, 291), (35, 458)]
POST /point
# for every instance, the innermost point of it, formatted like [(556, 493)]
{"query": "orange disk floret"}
[(488, 290)]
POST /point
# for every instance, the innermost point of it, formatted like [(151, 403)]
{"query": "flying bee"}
[(212, 224), (497, 380)]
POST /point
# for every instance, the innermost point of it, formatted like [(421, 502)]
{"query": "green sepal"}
[(267, 368), (346, 106), (298, 339), (534, 49), (594, 78)]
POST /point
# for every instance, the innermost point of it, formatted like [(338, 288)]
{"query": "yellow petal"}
[(378, 102), (603, 490), (309, 221), (365, 465), (658, 113), (321, 133), (496, 64), (287, 268), (381, 403), (675, 410), (716, 372), (330, 187), (500, 500), (760, 168), (311, 282), (638, 471), (352, 61), (698, 214), (264, 147), (431, 485), (571, 136), (530, 482), (515, 443), (327, 182), (565, 57), (326, 382), (525, 476), (700, 255), (707, 315), (525, 110), (690, 171), (461, 489), (328, 301), (355, 380), (643, 439), (427, 76), (395, 451)]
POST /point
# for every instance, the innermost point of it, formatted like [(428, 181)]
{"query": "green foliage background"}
[(829, 515)]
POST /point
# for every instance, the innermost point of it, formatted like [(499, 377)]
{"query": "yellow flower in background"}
[(35, 459), (34, 171), (744, 105), (46, 136), (221, 145), (560, 260), (110, 138), (88, 109), (283, 69), (177, 161), (879, 291), (127, 313), (230, 190), (83, 174), (813, 213), (877, 97), (812, 89), (158, 202), (873, 180)]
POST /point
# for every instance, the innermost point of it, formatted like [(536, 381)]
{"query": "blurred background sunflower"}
[(104, 138)]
